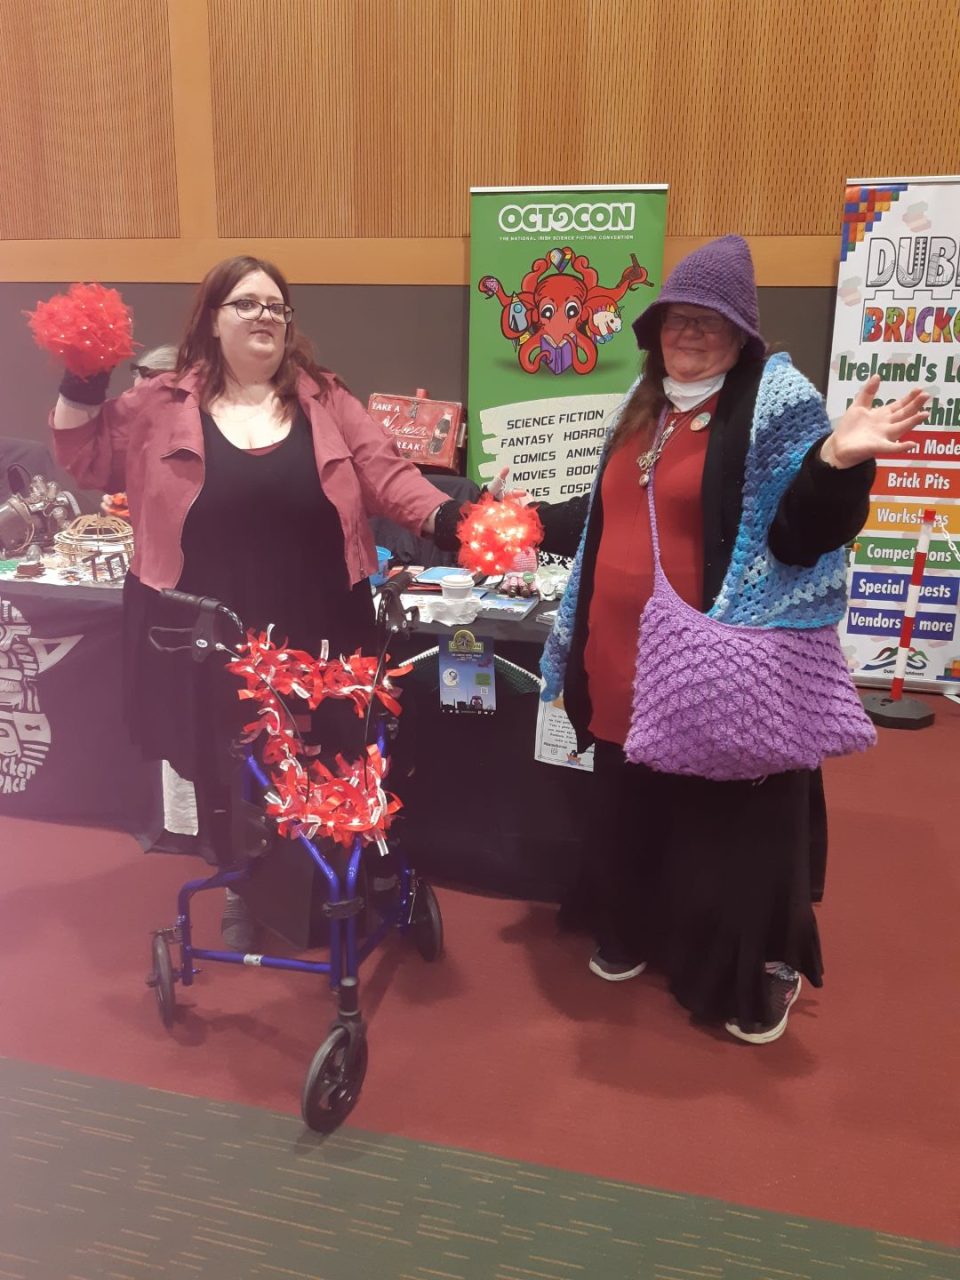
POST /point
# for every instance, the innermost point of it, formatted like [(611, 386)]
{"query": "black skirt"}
[(707, 881)]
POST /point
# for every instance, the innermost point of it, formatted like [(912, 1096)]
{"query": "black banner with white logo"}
[(64, 752)]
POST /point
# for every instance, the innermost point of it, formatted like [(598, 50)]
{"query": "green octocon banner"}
[(557, 276)]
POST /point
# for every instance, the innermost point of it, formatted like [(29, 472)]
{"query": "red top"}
[(623, 577)]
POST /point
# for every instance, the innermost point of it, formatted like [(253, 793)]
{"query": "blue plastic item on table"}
[(383, 561)]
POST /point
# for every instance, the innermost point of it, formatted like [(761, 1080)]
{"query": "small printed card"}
[(467, 680), (556, 741)]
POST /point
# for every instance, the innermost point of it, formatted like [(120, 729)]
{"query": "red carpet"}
[(509, 1046)]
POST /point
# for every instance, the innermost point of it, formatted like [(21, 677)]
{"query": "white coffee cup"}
[(456, 586)]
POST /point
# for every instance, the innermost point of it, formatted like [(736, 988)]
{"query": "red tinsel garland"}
[(492, 534), (88, 328), (312, 799)]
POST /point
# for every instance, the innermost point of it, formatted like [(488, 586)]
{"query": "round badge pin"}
[(700, 422)]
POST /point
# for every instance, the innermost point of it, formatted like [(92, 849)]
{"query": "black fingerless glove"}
[(86, 391), (445, 525)]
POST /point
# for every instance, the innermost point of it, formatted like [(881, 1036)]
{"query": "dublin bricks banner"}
[(898, 315)]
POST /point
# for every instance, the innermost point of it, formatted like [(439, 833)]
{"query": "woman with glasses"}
[(709, 881), (251, 473)]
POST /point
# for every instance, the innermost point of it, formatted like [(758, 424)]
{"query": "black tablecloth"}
[(64, 752), (479, 811)]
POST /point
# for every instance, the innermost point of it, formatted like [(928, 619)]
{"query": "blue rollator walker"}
[(335, 1077)]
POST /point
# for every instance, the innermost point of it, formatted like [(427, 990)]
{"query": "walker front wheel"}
[(427, 922), (334, 1081), (161, 979)]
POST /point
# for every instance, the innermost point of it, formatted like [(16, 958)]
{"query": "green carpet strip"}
[(116, 1181)]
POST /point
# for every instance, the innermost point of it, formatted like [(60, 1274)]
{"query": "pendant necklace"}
[(699, 420)]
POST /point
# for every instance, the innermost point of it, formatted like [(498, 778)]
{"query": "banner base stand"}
[(897, 713)]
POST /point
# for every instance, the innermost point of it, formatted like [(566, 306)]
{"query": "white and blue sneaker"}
[(785, 986)]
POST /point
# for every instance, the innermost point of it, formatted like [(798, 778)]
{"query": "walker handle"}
[(391, 617), (202, 604), (203, 640)]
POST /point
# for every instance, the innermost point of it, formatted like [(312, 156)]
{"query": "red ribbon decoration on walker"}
[(341, 805), (89, 328), (310, 798), (493, 534)]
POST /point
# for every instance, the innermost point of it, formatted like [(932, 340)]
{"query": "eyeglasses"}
[(144, 371), (251, 309), (708, 326)]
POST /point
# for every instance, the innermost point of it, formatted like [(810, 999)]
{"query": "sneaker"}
[(784, 988), (237, 928), (613, 967)]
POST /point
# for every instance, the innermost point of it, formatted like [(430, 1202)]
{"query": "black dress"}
[(263, 538), (706, 880)]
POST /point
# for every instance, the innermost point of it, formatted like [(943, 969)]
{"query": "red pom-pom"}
[(492, 534), (88, 328)]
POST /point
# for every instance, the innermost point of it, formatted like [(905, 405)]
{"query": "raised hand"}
[(498, 485), (866, 432)]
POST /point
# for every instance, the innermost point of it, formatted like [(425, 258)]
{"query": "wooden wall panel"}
[(143, 139), (376, 116), (86, 135)]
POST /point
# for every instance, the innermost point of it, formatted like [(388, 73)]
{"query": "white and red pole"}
[(913, 598), (892, 710)]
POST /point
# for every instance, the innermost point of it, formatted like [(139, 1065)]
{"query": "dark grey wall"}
[(377, 337), (800, 321)]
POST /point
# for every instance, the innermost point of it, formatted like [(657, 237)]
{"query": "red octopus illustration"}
[(557, 320)]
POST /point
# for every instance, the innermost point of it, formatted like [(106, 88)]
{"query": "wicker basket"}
[(97, 547)]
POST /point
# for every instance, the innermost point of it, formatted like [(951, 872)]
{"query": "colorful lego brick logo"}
[(863, 207)]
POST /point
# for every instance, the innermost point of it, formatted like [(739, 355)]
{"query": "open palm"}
[(866, 432)]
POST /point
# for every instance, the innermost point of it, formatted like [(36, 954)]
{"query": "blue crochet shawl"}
[(758, 591)]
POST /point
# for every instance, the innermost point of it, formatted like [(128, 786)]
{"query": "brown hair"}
[(642, 410), (200, 350)]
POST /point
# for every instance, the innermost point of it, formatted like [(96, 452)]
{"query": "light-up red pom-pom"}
[(492, 534), (88, 328)]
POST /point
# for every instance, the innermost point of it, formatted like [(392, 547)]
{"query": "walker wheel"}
[(161, 979), (334, 1081), (427, 922)]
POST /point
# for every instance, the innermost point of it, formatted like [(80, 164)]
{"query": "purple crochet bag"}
[(734, 702)]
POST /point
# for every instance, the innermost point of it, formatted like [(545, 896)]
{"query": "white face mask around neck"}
[(687, 395)]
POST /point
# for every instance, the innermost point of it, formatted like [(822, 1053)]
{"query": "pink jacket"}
[(149, 441)]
